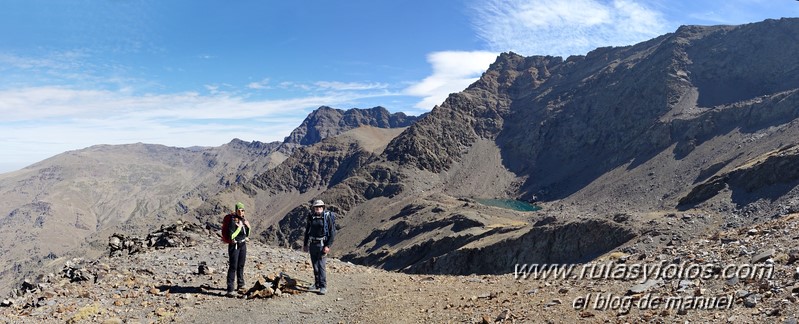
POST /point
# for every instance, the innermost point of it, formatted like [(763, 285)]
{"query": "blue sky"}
[(200, 73)]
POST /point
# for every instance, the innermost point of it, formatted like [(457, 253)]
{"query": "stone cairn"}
[(275, 285), (177, 235)]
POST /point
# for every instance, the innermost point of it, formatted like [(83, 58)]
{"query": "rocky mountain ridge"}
[(327, 122), (77, 198), (623, 130)]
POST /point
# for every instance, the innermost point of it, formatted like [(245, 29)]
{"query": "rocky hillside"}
[(562, 124), (751, 277), (69, 203), (74, 198), (328, 122), (642, 131)]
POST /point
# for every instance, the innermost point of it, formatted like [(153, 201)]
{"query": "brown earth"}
[(163, 285)]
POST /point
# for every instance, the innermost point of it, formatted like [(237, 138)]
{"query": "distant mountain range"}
[(701, 122), (70, 203)]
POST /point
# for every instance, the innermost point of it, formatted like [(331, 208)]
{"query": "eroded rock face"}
[(322, 166), (570, 243), (565, 123), (781, 167), (327, 122), (450, 236)]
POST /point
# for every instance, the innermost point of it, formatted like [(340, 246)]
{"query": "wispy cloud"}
[(564, 27), (259, 85), (342, 86), (39, 122), (37, 103), (220, 89), (294, 85), (536, 27), (733, 12), (212, 88), (453, 71), (73, 67)]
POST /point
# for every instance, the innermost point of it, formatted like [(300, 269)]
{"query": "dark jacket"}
[(315, 227), (238, 235)]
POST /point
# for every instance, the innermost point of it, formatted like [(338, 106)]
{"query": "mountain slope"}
[(562, 123), (621, 131), (70, 203), (72, 198), (327, 122)]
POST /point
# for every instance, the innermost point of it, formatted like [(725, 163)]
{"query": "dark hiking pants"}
[(237, 254), (318, 259)]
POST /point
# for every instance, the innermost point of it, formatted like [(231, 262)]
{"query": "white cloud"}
[(734, 12), (30, 104), (536, 27), (212, 88), (564, 27), (453, 71), (535, 15), (263, 84), (39, 122), (287, 85), (343, 86)]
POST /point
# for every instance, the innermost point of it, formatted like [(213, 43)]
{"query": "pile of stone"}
[(276, 285), (26, 287), (177, 235), (119, 243), (35, 293), (77, 270)]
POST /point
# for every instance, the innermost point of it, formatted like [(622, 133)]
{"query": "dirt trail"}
[(164, 286)]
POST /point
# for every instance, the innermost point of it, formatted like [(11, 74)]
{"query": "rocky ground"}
[(164, 284)]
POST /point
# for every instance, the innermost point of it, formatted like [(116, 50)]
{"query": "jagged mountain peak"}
[(610, 97), (254, 145), (326, 121)]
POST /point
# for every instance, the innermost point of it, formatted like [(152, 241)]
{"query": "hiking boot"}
[(322, 291), (313, 287), (231, 294)]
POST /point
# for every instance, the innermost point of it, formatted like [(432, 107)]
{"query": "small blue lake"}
[(508, 204)]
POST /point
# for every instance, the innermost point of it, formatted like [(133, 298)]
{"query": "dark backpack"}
[(325, 215), (226, 228)]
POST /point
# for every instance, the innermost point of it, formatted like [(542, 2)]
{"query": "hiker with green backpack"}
[(236, 232)]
